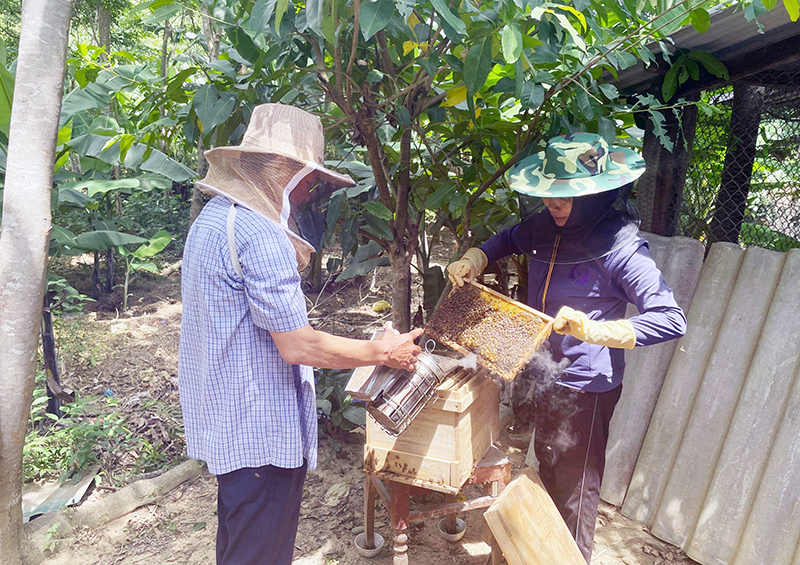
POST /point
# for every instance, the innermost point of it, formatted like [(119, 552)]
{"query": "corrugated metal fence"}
[(705, 443)]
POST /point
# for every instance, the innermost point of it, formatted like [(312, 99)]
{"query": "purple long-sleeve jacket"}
[(601, 288)]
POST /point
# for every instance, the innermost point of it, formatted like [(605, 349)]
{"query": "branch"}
[(353, 45), (384, 49)]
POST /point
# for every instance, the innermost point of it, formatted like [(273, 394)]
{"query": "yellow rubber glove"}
[(617, 333), (468, 267)]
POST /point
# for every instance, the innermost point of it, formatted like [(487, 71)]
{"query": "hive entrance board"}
[(503, 333)]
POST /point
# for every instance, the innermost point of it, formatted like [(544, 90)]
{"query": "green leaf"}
[(314, 16), (280, 10), (68, 196), (378, 209), (199, 526), (374, 15), (93, 97), (175, 84), (260, 15), (362, 268), (566, 26), (701, 21), (153, 247), (670, 85), (211, 108), (626, 59), (575, 13), (792, 8), (433, 284), (101, 240), (244, 44), (439, 196), (94, 187), (609, 91), (349, 236), (6, 97), (356, 414), (658, 121), (584, 104), (149, 266), (324, 405), (452, 20), (170, 168), (711, 63), (512, 43), (161, 14), (532, 95), (477, 65), (62, 235), (607, 129)]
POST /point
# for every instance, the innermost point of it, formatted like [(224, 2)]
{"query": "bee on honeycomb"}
[(502, 333)]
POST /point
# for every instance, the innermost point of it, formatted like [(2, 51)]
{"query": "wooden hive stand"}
[(493, 473)]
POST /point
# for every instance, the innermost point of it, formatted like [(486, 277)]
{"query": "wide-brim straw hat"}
[(574, 165), (278, 129)]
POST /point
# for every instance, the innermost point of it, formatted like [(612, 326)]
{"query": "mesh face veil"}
[(276, 187), (281, 153)]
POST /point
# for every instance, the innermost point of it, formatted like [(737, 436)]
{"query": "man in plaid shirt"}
[(246, 350)]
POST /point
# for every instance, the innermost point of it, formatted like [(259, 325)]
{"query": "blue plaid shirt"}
[(243, 405)]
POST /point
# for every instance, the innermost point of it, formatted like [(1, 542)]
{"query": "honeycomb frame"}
[(504, 334)]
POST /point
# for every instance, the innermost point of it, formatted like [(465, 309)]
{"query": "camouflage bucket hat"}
[(576, 164)]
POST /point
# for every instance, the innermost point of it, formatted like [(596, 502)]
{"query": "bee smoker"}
[(408, 393)]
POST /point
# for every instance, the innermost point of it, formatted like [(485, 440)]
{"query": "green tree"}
[(440, 101)]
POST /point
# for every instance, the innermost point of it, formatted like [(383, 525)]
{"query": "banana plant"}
[(141, 259)]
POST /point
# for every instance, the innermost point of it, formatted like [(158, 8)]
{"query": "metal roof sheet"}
[(731, 38)]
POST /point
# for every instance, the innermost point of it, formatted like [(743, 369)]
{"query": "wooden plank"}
[(451, 508), (528, 527)]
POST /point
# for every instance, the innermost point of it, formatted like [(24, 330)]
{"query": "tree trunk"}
[(56, 394), (731, 200), (164, 75), (104, 29), (400, 261), (24, 240), (212, 40), (197, 196)]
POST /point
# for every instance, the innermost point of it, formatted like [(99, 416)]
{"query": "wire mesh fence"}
[(743, 182)]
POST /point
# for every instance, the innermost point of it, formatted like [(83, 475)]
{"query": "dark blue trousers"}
[(571, 437), (258, 511)]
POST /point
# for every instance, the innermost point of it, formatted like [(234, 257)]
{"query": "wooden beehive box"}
[(442, 445), (503, 333)]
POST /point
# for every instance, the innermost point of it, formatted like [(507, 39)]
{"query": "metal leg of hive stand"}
[(369, 513), (400, 494)]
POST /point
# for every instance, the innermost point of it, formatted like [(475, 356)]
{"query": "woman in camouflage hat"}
[(586, 262)]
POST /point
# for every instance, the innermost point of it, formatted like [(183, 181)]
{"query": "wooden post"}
[(400, 494), (450, 522), (369, 513), (660, 189), (731, 201)]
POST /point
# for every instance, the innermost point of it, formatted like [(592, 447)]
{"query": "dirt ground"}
[(135, 356)]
